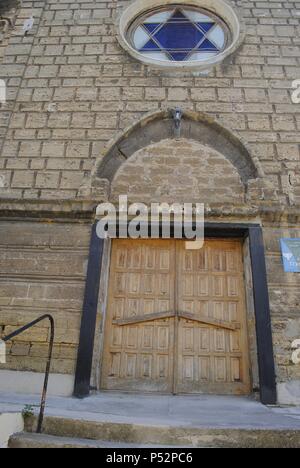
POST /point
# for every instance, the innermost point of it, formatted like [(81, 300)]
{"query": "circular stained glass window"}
[(179, 34)]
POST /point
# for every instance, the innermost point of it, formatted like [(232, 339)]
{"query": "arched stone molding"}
[(159, 126)]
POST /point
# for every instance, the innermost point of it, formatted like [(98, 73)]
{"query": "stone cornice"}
[(85, 210)]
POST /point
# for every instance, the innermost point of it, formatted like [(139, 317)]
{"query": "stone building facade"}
[(85, 122)]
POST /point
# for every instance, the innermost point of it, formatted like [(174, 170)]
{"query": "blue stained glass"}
[(179, 36), (178, 16), (151, 45), (174, 36), (178, 56), (208, 46), (151, 27), (206, 27)]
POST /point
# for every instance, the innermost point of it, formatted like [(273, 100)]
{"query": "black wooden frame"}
[(89, 317), (265, 352)]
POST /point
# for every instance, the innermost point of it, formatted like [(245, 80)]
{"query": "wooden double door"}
[(176, 320)]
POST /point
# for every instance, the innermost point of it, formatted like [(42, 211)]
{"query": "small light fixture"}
[(177, 117)]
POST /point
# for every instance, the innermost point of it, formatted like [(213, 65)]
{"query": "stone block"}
[(22, 179), (47, 179), (71, 180)]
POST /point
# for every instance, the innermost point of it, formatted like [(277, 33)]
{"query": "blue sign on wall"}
[(290, 249)]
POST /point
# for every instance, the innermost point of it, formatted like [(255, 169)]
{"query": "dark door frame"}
[(266, 365)]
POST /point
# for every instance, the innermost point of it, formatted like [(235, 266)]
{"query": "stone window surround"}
[(221, 8)]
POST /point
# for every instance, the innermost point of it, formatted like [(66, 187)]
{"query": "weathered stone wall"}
[(181, 171), (76, 88), (42, 270), (71, 89), (285, 308), (9, 10)]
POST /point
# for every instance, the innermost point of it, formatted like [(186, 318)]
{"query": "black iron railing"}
[(47, 371)]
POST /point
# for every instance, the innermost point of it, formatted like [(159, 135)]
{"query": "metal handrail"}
[(47, 371)]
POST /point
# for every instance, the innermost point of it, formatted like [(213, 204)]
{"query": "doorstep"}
[(190, 421)]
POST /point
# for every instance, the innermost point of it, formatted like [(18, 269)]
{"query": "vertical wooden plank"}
[(89, 315), (263, 318)]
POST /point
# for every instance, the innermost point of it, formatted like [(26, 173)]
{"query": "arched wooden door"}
[(176, 319)]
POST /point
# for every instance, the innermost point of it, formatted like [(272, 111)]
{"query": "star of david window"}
[(179, 34)]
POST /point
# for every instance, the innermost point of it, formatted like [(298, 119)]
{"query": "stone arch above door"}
[(198, 128)]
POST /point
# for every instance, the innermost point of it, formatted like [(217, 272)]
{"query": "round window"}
[(188, 34), (179, 34)]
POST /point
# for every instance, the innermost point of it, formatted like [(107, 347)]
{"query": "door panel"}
[(139, 345), (212, 358), (176, 318)]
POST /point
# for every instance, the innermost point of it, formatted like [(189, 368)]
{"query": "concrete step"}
[(176, 436), (30, 440)]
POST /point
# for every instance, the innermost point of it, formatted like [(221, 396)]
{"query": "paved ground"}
[(189, 411)]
